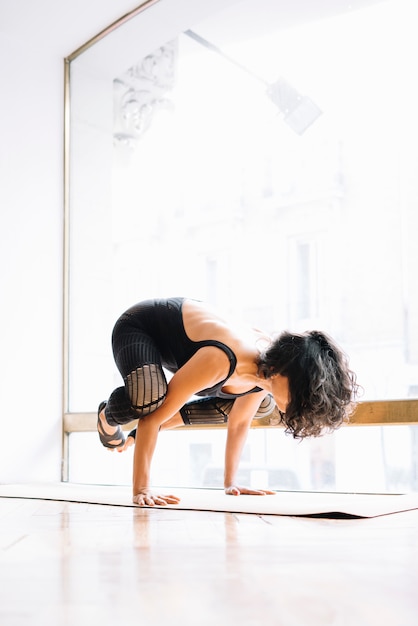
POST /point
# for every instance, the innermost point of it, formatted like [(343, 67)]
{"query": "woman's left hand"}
[(146, 497), (235, 490)]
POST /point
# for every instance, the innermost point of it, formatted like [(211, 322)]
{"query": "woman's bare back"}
[(200, 324)]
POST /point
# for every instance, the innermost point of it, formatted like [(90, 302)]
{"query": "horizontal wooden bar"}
[(377, 413), (386, 412)]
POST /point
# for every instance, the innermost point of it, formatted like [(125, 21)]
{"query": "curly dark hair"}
[(322, 388)]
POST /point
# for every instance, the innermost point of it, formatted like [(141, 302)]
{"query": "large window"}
[(261, 156)]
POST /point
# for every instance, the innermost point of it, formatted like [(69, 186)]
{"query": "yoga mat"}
[(293, 503)]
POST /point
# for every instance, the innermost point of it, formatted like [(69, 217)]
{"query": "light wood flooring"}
[(70, 564)]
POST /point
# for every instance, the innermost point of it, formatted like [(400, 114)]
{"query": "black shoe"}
[(105, 438)]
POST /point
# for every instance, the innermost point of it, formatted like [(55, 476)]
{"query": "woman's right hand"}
[(146, 498)]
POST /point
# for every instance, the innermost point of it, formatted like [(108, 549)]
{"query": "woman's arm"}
[(239, 422), (206, 368), (145, 442)]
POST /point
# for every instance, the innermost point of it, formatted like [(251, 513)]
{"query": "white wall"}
[(35, 37)]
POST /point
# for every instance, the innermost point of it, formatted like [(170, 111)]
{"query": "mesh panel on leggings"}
[(216, 411), (206, 411), (266, 407), (146, 388)]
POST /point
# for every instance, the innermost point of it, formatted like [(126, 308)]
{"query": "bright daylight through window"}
[(267, 166)]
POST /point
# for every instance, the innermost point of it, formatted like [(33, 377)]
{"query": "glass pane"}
[(355, 459), (267, 166)]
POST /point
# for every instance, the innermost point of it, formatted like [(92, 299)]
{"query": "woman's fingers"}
[(152, 499), (234, 490)]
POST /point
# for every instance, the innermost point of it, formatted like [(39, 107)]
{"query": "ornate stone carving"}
[(141, 91)]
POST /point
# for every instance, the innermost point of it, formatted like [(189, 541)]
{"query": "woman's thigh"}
[(139, 362)]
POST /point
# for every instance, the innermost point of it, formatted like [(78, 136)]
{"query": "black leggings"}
[(145, 385)]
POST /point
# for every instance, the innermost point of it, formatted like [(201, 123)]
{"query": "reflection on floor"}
[(71, 564)]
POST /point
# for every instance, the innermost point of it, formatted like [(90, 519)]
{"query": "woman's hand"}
[(234, 490), (146, 498)]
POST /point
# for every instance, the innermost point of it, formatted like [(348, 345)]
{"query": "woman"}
[(241, 373)]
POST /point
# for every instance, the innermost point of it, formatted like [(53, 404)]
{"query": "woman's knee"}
[(143, 410), (146, 387), (266, 407)]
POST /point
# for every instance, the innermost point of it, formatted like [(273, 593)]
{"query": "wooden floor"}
[(70, 564)]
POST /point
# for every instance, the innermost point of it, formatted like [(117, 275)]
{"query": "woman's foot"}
[(110, 436)]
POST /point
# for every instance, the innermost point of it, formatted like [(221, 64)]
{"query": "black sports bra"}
[(216, 390)]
